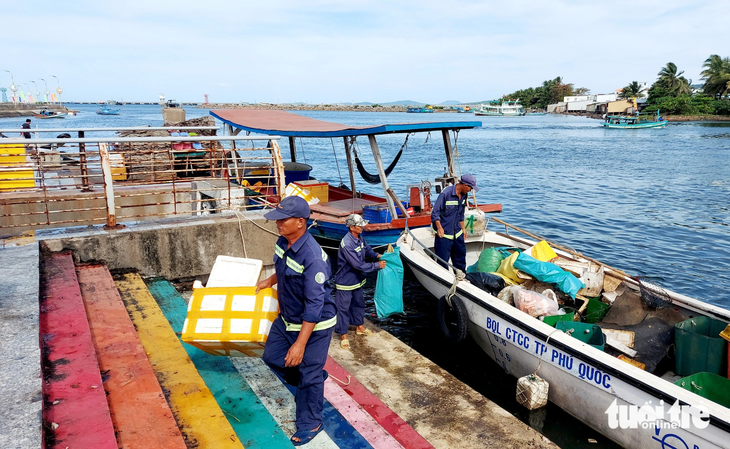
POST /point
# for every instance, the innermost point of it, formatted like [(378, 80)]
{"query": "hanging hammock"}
[(375, 179)]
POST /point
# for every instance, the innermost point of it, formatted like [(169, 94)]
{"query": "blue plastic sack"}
[(389, 285), (550, 273)]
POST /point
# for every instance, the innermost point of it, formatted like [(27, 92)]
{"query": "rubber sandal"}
[(365, 332), (305, 436), (345, 344)]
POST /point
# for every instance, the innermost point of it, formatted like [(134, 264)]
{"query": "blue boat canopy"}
[(282, 123)]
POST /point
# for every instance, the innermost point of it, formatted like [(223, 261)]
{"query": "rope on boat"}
[(336, 161)]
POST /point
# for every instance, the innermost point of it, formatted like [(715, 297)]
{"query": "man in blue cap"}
[(296, 349), (447, 220), (354, 258)]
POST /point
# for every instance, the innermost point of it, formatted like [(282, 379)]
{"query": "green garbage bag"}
[(489, 260), (389, 285)]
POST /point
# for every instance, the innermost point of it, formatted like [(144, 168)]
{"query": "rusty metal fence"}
[(81, 181)]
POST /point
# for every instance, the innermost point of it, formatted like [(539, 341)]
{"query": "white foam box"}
[(234, 272), (230, 321)]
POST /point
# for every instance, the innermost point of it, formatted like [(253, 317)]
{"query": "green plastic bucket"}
[(700, 347), (596, 310), (709, 386), (585, 332), (553, 319)]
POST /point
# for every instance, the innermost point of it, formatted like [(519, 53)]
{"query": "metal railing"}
[(51, 182)]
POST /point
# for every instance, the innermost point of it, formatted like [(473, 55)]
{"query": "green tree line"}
[(551, 91), (672, 93)]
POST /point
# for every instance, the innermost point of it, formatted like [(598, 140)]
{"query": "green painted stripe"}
[(250, 420)]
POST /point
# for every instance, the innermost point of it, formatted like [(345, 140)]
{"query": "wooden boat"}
[(593, 385), (637, 121), (45, 113), (536, 113), (328, 217), (106, 110), (501, 108)]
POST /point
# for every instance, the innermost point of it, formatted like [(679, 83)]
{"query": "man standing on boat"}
[(354, 258), (447, 220), (296, 349)]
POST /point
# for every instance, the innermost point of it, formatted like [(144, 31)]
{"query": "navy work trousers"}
[(454, 249), (307, 376), (350, 309)]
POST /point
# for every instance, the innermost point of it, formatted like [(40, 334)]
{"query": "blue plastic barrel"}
[(296, 171)]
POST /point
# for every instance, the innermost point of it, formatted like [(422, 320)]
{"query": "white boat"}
[(592, 385), (501, 108)]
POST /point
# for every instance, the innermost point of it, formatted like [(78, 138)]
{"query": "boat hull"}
[(41, 116), (583, 381), (661, 124)]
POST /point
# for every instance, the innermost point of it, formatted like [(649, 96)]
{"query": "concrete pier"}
[(407, 387)]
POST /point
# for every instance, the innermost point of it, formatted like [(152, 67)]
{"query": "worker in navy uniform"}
[(354, 258), (447, 220), (296, 349)]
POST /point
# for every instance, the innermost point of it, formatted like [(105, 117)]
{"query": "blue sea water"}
[(653, 202)]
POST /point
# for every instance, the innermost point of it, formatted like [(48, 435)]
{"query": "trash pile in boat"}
[(630, 318)]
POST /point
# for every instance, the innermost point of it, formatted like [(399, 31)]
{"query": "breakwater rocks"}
[(306, 107)]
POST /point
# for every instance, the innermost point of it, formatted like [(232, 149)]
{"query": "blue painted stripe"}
[(250, 420), (338, 428)]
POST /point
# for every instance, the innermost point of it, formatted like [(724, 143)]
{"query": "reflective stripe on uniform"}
[(350, 287), (294, 266), (449, 236), (324, 256), (451, 203), (291, 327), (279, 251)]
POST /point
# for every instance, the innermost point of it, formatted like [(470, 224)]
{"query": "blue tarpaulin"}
[(550, 273)]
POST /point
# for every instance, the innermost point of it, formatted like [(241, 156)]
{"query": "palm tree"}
[(716, 76), (673, 81), (633, 90)]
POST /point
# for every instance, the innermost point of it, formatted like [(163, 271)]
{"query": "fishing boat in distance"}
[(46, 113), (425, 109), (106, 110), (501, 108), (637, 121)]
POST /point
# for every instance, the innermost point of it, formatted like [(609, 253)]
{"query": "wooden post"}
[(82, 163), (381, 172), (292, 148), (349, 167), (106, 168), (449, 152)]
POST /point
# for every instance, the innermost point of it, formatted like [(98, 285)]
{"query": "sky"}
[(285, 51)]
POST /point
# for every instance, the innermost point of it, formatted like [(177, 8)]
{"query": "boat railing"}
[(60, 182)]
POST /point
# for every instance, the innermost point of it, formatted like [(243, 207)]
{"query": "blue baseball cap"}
[(470, 180), (289, 207)]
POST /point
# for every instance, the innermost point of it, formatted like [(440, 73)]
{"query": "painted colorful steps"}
[(75, 411), (199, 418), (250, 420), (137, 404)]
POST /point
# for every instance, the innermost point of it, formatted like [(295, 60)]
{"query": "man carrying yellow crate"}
[(296, 349)]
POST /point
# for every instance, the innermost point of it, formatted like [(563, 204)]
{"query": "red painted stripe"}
[(134, 395), (387, 418), (75, 411)]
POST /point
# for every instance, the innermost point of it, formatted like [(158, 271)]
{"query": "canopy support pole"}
[(292, 149), (449, 153), (349, 167), (381, 172)]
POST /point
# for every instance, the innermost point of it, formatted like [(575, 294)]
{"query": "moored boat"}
[(637, 121), (590, 383), (501, 108), (106, 110), (425, 109), (386, 213), (46, 113)]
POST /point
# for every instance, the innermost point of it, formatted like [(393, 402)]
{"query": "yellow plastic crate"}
[(230, 321), (15, 172), (317, 188)]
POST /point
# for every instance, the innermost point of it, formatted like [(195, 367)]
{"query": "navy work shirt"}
[(449, 210), (302, 276), (351, 262)]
